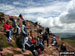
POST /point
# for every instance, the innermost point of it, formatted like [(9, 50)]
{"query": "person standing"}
[(46, 36), (24, 34)]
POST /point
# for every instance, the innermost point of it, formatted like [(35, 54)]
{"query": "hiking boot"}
[(10, 38), (23, 50)]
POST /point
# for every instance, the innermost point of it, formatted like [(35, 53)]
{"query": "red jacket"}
[(7, 26), (33, 41)]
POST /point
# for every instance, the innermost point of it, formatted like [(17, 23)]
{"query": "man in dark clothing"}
[(24, 34), (46, 36), (63, 47)]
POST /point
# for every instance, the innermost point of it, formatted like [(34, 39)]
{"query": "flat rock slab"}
[(18, 55), (27, 53)]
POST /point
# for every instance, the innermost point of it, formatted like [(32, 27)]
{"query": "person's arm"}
[(27, 44), (23, 29), (11, 26)]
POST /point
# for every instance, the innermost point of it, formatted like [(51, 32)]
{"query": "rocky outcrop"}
[(15, 51)]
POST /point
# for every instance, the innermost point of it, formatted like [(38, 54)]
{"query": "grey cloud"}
[(68, 18)]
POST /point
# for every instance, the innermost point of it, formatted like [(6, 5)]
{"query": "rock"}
[(17, 49), (44, 55), (18, 55), (27, 53)]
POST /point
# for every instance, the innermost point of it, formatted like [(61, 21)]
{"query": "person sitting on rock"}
[(32, 39), (24, 34), (31, 46), (7, 28), (54, 42), (53, 38), (40, 42), (63, 47)]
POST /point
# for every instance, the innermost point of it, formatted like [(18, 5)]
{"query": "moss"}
[(3, 41), (9, 54), (17, 52)]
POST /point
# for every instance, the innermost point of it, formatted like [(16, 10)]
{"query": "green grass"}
[(71, 42), (4, 42), (17, 52), (9, 54)]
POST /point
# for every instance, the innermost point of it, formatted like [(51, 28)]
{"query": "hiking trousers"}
[(24, 42)]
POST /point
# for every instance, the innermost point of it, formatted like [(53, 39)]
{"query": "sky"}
[(58, 15)]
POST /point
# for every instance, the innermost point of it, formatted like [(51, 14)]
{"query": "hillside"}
[(14, 48)]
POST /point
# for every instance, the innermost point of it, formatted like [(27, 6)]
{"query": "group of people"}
[(29, 41)]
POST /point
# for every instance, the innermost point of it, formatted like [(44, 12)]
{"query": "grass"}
[(4, 42), (9, 54), (17, 52), (71, 42)]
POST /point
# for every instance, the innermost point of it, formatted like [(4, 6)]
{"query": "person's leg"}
[(43, 41), (7, 35), (47, 41), (24, 42), (10, 34), (42, 46), (18, 30)]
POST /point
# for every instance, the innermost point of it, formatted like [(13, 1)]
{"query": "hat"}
[(7, 21)]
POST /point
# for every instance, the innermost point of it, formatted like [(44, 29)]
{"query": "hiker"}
[(40, 42), (39, 45), (24, 34), (46, 36), (32, 39), (31, 46), (14, 23), (7, 28), (21, 16), (63, 47), (54, 42), (53, 37)]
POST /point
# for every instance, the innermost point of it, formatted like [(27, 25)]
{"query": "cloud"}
[(6, 7), (69, 16), (17, 3), (58, 15), (46, 22)]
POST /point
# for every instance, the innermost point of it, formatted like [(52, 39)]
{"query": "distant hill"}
[(66, 35)]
